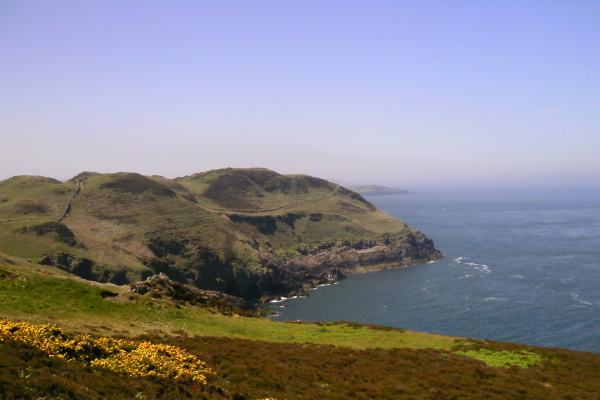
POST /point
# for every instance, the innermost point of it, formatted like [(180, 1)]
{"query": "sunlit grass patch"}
[(504, 358), (46, 295)]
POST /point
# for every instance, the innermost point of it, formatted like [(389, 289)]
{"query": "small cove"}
[(521, 267)]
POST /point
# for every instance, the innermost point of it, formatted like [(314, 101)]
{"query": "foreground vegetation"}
[(127, 357), (105, 333), (45, 295)]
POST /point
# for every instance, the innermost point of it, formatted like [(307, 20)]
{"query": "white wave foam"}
[(495, 299), (479, 267), (482, 267), (466, 276), (583, 303), (517, 276), (284, 299), (279, 301)]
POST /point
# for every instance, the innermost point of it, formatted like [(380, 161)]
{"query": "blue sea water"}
[(520, 267)]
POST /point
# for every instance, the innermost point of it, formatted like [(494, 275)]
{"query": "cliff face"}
[(251, 233)]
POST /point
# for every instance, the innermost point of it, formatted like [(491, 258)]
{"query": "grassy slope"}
[(346, 217), (256, 358), (116, 224), (40, 294), (253, 189), (26, 201), (114, 218)]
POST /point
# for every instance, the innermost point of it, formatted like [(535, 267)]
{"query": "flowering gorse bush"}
[(156, 360), (127, 357)]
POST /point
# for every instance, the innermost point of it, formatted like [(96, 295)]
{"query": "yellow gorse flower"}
[(127, 357)]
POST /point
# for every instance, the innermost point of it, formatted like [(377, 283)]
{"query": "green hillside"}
[(105, 340), (252, 233)]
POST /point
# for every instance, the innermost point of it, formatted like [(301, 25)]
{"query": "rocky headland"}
[(249, 233)]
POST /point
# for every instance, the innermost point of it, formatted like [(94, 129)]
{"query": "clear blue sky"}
[(404, 93)]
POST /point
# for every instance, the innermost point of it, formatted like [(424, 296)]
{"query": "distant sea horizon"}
[(522, 265)]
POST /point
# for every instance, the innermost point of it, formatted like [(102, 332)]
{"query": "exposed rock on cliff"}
[(161, 286)]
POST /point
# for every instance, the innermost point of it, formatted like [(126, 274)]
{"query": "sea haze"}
[(520, 267)]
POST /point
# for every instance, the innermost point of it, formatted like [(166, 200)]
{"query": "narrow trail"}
[(333, 193), (73, 196)]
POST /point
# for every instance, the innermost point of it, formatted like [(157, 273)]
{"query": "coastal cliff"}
[(251, 233)]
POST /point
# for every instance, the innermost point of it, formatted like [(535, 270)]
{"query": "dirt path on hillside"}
[(321, 196), (73, 196)]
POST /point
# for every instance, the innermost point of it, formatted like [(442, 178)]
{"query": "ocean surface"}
[(521, 266)]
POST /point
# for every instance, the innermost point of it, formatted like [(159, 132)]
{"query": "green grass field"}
[(39, 294), (255, 358)]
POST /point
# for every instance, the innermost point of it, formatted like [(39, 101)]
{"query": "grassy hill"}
[(248, 357), (251, 233)]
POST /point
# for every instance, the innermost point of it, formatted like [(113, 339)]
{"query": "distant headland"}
[(376, 190)]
